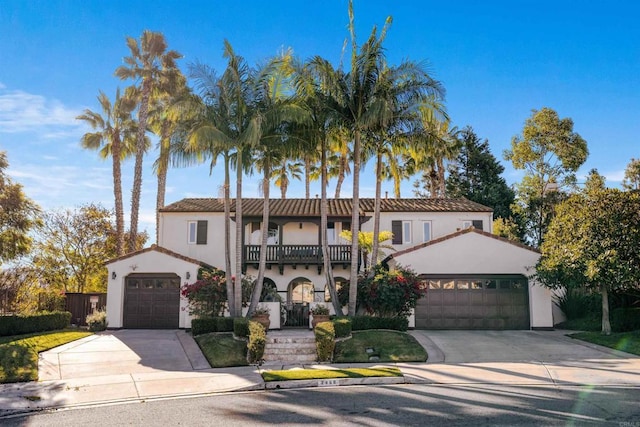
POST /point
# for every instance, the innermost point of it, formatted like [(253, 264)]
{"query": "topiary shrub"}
[(360, 323), (97, 321), (203, 325), (241, 327), (325, 341), (224, 324), (257, 342), (21, 324), (342, 326)]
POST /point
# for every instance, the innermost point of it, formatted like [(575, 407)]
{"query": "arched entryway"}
[(300, 293)]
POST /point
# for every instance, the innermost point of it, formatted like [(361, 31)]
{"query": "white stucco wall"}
[(473, 253), (147, 262)]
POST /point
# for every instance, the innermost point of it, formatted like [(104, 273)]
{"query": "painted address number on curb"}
[(327, 383)]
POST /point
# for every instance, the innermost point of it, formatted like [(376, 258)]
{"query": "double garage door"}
[(478, 302), (151, 301)]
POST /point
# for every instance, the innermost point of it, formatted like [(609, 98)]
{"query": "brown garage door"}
[(479, 302), (151, 301)]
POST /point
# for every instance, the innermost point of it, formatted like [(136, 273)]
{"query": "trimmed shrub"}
[(203, 325), (26, 324), (257, 342), (241, 327), (360, 323), (224, 324), (625, 319), (97, 321), (325, 341), (342, 326)]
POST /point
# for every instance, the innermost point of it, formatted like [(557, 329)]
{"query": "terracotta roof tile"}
[(336, 207), (160, 249)]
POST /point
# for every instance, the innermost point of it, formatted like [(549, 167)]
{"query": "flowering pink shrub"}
[(208, 295)]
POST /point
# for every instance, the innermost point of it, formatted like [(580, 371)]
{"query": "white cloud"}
[(2, 86), (21, 111)]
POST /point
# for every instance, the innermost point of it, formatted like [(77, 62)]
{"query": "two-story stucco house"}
[(474, 279)]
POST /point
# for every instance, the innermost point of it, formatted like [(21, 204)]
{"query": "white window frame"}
[(192, 231), (331, 233), (406, 232), (425, 237)]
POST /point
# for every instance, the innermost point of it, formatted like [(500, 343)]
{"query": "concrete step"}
[(290, 340), (285, 351), (300, 348), (291, 358), (291, 345)]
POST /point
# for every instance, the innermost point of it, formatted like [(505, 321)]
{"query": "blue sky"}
[(497, 59)]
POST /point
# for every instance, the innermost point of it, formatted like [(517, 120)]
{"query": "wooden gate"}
[(80, 305)]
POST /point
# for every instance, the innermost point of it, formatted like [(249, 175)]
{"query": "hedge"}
[(241, 327), (26, 324), (625, 319), (359, 323), (342, 326), (325, 341), (205, 325), (257, 342)]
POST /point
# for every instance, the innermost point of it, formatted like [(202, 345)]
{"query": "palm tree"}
[(114, 136), (153, 66), (165, 126), (284, 172)]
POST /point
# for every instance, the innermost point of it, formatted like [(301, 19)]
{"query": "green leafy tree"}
[(18, 215), (154, 68), (476, 175), (366, 243), (594, 242), (550, 153), (631, 179)]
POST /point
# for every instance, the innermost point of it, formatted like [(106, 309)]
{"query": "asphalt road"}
[(371, 406)]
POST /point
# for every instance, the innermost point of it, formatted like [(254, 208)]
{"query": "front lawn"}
[(624, 341), (321, 374), (19, 354), (222, 350), (379, 346)]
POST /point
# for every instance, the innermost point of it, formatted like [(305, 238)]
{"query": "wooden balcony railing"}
[(295, 255)]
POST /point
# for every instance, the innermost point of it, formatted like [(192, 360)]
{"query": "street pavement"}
[(138, 365)]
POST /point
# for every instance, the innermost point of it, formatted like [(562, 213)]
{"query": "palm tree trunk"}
[(326, 258), (117, 193), (227, 236), (237, 291), (606, 324), (341, 175), (137, 171), (355, 225), (163, 167), (283, 190), (441, 181), (307, 177), (376, 214), (257, 290)]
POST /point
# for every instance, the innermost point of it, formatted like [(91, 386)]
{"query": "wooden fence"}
[(80, 305)]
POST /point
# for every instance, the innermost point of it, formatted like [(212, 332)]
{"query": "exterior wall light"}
[(113, 275), (188, 275)]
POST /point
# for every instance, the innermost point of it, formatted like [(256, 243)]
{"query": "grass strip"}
[(322, 374), (628, 342), (385, 345), (19, 354), (222, 350)]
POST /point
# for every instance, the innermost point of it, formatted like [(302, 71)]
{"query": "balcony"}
[(296, 255)]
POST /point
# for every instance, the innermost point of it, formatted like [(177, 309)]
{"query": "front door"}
[(299, 295)]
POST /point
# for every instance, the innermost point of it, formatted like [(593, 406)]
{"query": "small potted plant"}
[(320, 314), (261, 315)]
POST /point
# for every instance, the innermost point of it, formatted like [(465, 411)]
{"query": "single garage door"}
[(478, 302), (151, 301)]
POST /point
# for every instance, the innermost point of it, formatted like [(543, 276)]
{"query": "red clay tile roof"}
[(336, 207), (160, 249), (454, 235)]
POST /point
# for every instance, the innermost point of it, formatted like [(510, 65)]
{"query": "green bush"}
[(97, 321), (325, 341), (241, 327), (257, 342), (625, 319), (25, 324), (224, 324), (342, 326), (203, 325), (360, 323), (577, 304)]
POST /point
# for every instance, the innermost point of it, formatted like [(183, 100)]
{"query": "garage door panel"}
[(492, 302), (152, 302)]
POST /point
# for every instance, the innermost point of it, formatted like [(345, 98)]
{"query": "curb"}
[(333, 382)]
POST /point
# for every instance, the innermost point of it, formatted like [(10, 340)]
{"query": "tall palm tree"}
[(152, 66), (165, 126), (114, 137), (275, 109), (284, 172)]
